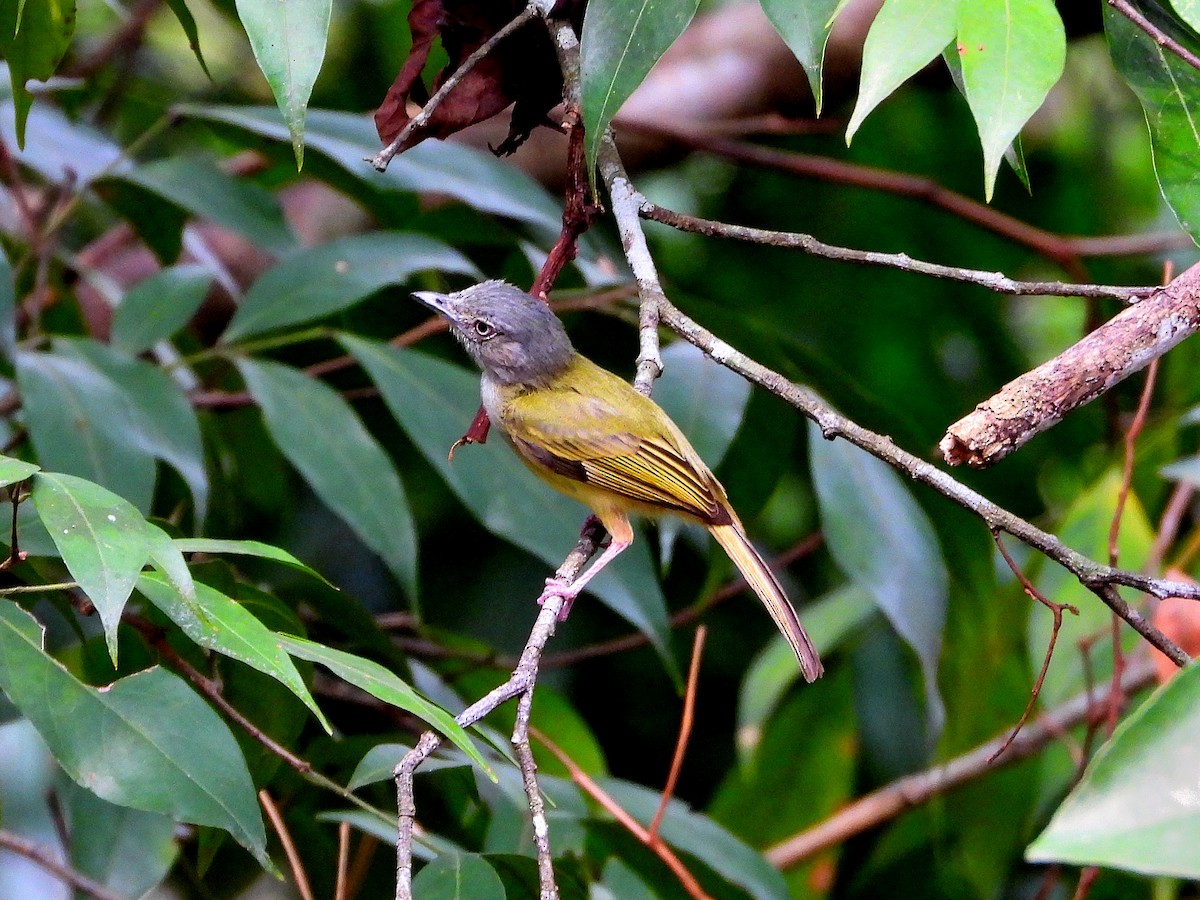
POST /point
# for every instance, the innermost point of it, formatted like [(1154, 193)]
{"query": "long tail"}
[(756, 573)]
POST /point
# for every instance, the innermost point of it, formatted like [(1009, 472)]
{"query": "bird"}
[(588, 433)]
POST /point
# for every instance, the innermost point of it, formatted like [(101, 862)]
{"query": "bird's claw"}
[(558, 587)]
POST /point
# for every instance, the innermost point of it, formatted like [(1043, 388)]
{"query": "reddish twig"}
[(45, 859), (1160, 37), (685, 733), (289, 846), (585, 783), (1056, 609), (882, 805), (343, 861)]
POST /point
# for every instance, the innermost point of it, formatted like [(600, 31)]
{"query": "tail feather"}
[(735, 543)]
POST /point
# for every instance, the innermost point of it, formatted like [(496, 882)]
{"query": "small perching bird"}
[(584, 431)]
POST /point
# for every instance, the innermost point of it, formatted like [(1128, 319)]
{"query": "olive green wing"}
[(622, 443)]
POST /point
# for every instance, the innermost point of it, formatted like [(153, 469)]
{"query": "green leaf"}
[(377, 764), (164, 422), (34, 36), (157, 307), (805, 28), (698, 835), (386, 686), (14, 470), (1085, 527), (81, 422), (905, 36), (1167, 89), (184, 15), (1012, 53), (197, 186), (288, 40), (103, 539), (1189, 11), (127, 850), (1138, 804), (321, 436), (168, 560), (883, 542), (458, 876), (316, 281), (226, 626), (773, 672), (145, 741), (246, 548), (620, 44), (471, 176), (434, 401)]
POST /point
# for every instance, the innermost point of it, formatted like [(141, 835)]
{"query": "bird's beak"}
[(439, 303)]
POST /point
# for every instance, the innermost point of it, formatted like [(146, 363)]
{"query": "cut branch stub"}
[(1042, 397)]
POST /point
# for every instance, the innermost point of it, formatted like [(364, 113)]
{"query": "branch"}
[(520, 684), (45, 859), (884, 804), (1041, 398), (993, 281), (381, 160), (1160, 37)]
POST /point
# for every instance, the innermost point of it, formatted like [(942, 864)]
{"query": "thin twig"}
[(45, 858), (685, 733), (993, 281), (343, 861), (289, 846), (1056, 609), (533, 794), (523, 677), (1160, 37), (889, 801), (1099, 579), (586, 784), (381, 160)]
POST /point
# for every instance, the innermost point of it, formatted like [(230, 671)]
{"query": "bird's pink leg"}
[(622, 536)]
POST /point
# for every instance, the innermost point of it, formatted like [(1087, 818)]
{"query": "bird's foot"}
[(558, 587)]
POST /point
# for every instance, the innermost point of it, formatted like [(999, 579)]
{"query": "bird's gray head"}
[(515, 338)]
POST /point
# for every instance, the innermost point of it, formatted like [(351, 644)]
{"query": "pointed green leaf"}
[(34, 35), (321, 436), (197, 186), (14, 470), (316, 281), (905, 36), (246, 548), (157, 307), (620, 44), (184, 15), (53, 144), (103, 540), (164, 423), (168, 560), (1012, 53), (883, 542), (377, 764), (805, 28), (1137, 806), (386, 686), (288, 40), (473, 177), (227, 627), (146, 741), (1167, 88), (458, 876), (434, 402), (81, 422), (704, 398)]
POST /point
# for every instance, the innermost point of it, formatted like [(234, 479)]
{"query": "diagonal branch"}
[(1160, 37)]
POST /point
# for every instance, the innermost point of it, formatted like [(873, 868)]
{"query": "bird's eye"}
[(484, 329)]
